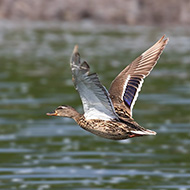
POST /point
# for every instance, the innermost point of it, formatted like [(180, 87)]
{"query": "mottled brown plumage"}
[(110, 115), (114, 129)]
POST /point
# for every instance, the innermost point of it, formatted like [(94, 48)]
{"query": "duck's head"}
[(64, 111)]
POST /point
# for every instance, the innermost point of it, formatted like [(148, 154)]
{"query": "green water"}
[(41, 152)]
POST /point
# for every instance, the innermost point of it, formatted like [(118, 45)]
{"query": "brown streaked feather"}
[(115, 130), (126, 86)]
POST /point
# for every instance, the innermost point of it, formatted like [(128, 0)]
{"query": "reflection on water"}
[(40, 152)]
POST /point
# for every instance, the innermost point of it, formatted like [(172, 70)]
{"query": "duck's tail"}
[(143, 132)]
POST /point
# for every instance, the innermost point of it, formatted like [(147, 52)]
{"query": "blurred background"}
[(131, 12), (40, 152)]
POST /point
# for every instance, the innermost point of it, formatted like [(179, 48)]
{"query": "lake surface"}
[(41, 152)]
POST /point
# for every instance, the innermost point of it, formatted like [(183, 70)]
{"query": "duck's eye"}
[(61, 107)]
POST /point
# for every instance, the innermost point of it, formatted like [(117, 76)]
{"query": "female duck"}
[(109, 115)]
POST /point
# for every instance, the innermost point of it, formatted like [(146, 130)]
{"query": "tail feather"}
[(146, 132)]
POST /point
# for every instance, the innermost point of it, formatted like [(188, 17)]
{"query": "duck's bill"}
[(51, 114)]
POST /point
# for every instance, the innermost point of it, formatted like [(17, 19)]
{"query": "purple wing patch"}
[(131, 90)]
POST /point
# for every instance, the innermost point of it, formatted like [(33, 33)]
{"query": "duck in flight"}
[(109, 114)]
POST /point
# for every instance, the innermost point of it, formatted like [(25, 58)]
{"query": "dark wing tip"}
[(75, 57), (166, 40), (163, 39), (75, 50)]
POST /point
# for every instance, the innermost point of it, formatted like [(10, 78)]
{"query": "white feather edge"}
[(147, 132), (137, 93), (125, 85)]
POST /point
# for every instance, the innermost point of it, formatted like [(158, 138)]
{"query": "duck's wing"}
[(95, 98), (126, 86)]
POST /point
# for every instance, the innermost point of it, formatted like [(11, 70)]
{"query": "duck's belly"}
[(109, 135), (106, 129)]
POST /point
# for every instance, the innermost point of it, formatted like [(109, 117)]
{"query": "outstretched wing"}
[(126, 86), (94, 96)]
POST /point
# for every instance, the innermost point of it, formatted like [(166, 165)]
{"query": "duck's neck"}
[(76, 116)]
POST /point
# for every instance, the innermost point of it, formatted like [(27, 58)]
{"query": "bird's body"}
[(115, 129), (109, 115), (112, 129)]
